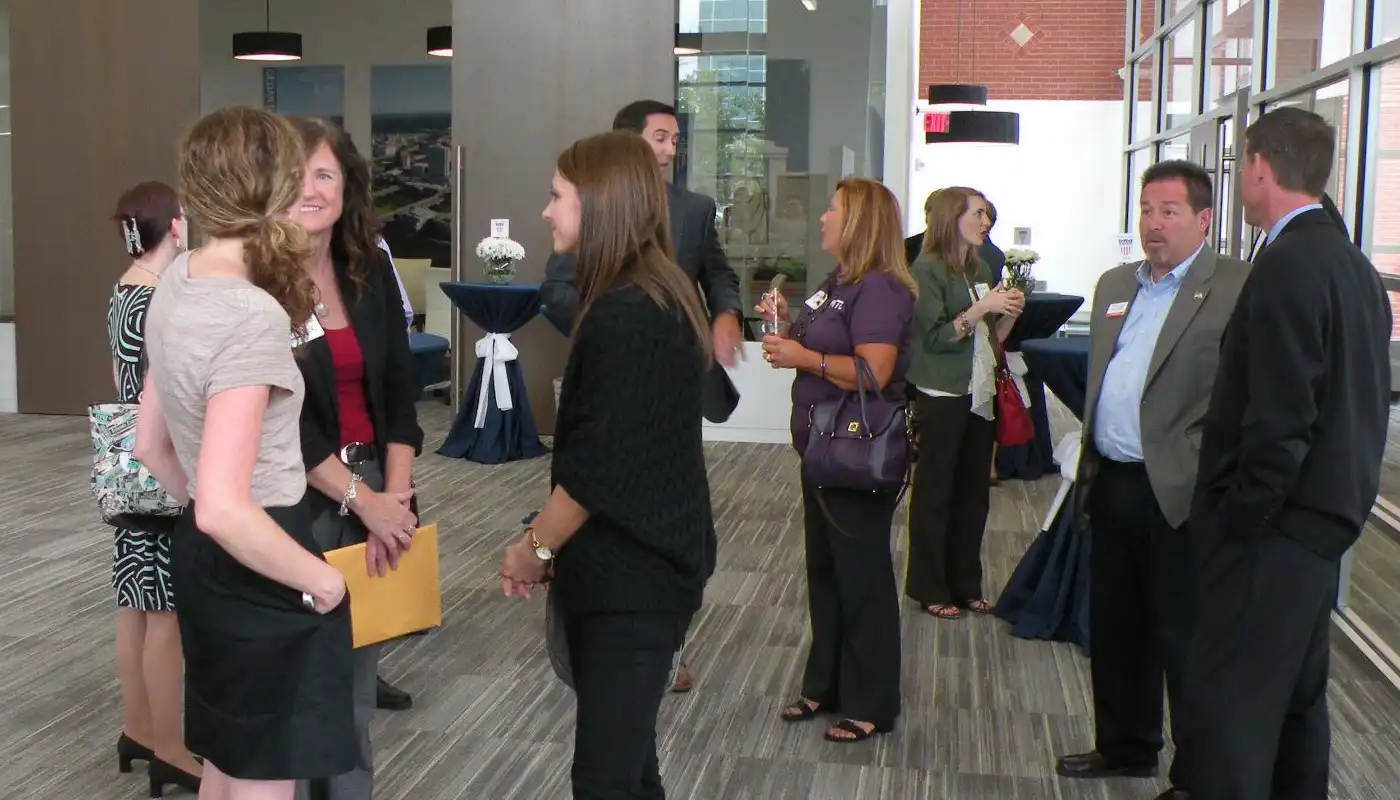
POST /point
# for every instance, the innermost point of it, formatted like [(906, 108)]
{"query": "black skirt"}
[(268, 691)]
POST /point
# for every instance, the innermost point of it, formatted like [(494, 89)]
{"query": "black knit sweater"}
[(628, 449)]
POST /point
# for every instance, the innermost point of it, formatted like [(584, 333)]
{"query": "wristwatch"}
[(542, 552)]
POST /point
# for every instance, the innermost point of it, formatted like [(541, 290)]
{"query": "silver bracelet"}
[(349, 494), (308, 602)]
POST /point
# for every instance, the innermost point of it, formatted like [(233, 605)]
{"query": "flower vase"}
[(500, 271)]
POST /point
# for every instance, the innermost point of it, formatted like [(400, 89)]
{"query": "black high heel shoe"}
[(165, 774), (129, 750)]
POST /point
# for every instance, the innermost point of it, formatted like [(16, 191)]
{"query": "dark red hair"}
[(144, 214)]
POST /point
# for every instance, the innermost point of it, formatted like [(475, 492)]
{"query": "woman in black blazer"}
[(359, 425)]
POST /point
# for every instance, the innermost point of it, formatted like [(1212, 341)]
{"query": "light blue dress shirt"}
[(1287, 218), (1117, 424)]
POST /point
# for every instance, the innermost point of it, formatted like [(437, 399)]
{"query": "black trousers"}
[(1257, 674), (949, 502), (1142, 615), (621, 668), (853, 665)]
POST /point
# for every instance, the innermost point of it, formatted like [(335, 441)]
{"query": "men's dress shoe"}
[(1097, 765), (1174, 794), (390, 698)]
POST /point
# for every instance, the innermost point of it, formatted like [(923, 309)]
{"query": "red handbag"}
[(1014, 425)]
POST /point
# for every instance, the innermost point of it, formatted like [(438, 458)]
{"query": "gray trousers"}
[(331, 531)]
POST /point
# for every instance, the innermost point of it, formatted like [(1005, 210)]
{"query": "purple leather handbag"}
[(860, 441)]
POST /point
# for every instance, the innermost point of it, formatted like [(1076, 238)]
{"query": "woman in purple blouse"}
[(863, 309)]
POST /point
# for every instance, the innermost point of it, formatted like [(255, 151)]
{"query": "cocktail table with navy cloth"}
[(1044, 315), (494, 424), (1047, 596)]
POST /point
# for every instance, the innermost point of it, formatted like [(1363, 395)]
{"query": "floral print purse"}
[(121, 485)]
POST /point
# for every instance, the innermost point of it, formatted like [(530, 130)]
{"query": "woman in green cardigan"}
[(953, 367)]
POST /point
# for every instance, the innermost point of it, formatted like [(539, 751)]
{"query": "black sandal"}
[(801, 711), (858, 734)]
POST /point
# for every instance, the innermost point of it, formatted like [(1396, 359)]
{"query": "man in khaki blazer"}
[(1155, 341)]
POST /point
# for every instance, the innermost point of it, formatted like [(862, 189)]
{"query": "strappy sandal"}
[(801, 711), (979, 606), (857, 733), (942, 610)]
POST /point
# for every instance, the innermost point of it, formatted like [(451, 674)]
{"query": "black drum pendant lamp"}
[(984, 127), (267, 44), (967, 125), (440, 41), (687, 44), (956, 94)]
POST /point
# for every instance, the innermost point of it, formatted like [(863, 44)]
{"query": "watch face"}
[(544, 553)]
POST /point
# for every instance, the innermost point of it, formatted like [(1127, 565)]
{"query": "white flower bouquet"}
[(500, 254), (494, 249), (1018, 269)]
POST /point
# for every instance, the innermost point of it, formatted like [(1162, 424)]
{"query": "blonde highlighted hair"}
[(872, 233), (240, 172)]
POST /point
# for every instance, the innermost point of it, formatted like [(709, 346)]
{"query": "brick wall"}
[(1074, 52)]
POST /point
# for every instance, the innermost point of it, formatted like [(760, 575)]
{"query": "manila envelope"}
[(404, 601)]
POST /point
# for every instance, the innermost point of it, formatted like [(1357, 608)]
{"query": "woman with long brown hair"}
[(359, 424), (263, 622), (862, 311), (627, 530), (954, 369)]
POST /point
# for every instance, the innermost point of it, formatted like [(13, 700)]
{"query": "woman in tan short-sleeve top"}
[(263, 622)]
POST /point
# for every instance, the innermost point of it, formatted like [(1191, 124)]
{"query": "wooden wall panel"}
[(528, 78), (101, 93)]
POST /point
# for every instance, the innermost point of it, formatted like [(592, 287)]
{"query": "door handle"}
[(458, 245)]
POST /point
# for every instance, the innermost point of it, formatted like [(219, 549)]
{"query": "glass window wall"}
[(1230, 56), (779, 105), (1307, 34), (1251, 52), (1143, 77), (1179, 97)]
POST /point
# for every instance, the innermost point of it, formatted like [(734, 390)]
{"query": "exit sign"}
[(936, 122)]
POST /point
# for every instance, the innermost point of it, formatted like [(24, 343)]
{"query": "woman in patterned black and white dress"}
[(149, 664)]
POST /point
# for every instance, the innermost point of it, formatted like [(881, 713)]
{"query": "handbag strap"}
[(998, 351)]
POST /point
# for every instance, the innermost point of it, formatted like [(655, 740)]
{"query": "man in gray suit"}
[(698, 252), (1155, 340)]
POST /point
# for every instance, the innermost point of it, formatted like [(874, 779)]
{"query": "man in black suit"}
[(698, 252), (693, 234), (1289, 470)]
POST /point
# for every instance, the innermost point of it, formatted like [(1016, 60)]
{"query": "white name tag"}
[(314, 331), (1117, 310), (815, 301)]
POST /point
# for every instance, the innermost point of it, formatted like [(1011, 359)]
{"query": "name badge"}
[(980, 289), (815, 301), (314, 331), (1117, 310)]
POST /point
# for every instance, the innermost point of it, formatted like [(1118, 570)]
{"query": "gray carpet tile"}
[(985, 714)]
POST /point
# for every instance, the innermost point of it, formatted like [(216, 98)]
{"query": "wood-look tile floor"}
[(984, 714)]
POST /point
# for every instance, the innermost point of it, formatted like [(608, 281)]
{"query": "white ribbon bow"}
[(497, 350)]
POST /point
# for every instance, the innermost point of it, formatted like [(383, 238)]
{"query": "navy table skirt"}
[(494, 424), (1044, 315), (1047, 596)]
